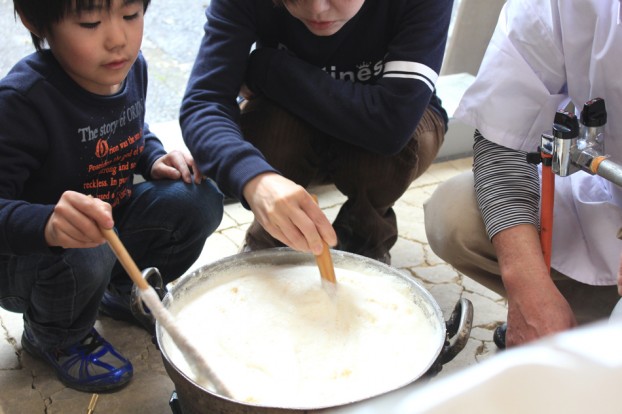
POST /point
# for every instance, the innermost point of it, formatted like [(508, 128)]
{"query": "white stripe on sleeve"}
[(411, 70)]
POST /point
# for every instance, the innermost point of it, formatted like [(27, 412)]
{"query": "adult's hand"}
[(620, 278), (75, 221), (289, 213), (536, 308), (536, 311)]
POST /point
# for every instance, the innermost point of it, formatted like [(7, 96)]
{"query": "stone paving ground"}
[(172, 34)]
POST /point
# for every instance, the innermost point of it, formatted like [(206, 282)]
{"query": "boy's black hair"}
[(41, 14)]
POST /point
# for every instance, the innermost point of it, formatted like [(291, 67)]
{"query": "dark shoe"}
[(125, 303), (380, 257), (92, 365), (499, 335), (116, 305), (347, 242), (127, 307), (385, 258)]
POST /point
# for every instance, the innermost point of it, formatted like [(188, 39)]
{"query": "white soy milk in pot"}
[(275, 337)]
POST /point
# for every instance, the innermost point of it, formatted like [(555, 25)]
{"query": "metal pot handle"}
[(458, 330), (140, 312)]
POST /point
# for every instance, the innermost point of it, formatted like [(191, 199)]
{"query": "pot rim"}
[(295, 257)]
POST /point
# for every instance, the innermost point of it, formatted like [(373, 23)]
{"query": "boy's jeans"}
[(164, 225)]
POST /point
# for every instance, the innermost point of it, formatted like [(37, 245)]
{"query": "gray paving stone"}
[(488, 313), (482, 334), (18, 397), (447, 296), (442, 274), (407, 254), (474, 287), (413, 230), (227, 222), (217, 246), (239, 214), (327, 196), (9, 357), (466, 358), (12, 324)]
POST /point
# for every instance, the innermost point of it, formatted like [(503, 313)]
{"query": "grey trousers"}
[(456, 233), (366, 223)]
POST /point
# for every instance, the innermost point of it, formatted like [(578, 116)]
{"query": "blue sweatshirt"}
[(368, 84), (55, 136)]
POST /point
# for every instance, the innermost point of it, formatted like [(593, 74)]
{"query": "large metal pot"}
[(450, 336)]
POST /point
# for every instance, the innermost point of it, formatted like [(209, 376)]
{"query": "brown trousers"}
[(366, 223)]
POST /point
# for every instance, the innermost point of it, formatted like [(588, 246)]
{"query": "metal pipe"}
[(607, 169)]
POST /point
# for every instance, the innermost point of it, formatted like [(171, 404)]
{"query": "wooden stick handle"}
[(325, 264), (195, 358), (124, 258), (324, 260)]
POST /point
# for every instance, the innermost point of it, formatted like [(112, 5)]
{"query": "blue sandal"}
[(92, 365)]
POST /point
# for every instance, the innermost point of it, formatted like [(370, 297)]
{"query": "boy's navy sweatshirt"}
[(55, 136)]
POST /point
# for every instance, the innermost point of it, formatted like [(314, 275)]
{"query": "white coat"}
[(542, 53)]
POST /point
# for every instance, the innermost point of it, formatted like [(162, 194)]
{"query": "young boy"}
[(72, 136), (339, 91)]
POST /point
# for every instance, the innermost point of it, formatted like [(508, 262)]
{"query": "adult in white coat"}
[(543, 55)]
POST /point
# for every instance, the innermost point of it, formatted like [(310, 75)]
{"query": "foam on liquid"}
[(274, 337)]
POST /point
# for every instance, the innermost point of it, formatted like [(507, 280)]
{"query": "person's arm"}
[(209, 110), (535, 306), (29, 227), (381, 116), (208, 119), (22, 149), (507, 190)]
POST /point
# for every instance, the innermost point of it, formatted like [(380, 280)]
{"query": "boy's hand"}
[(75, 221), (176, 165)]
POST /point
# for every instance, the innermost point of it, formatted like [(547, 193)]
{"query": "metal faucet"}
[(569, 148), (575, 147)]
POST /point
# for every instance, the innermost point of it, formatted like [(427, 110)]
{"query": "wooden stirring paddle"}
[(325, 261), (195, 359)]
